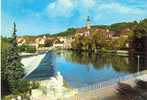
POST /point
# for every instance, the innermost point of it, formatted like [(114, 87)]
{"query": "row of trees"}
[(116, 26), (69, 31), (98, 42)]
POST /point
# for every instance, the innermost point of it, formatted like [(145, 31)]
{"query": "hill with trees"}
[(71, 31)]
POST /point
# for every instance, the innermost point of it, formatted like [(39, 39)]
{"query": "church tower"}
[(88, 23)]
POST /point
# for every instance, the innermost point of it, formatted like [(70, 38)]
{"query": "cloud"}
[(88, 4), (116, 7), (60, 8), (66, 8), (108, 13)]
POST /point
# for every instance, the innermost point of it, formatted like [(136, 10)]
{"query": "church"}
[(88, 30), (84, 31)]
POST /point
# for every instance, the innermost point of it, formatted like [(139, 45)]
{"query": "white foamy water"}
[(31, 63)]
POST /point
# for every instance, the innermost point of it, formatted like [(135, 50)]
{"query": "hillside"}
[(113, 27)]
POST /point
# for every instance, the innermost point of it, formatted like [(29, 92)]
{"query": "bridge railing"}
[(104, 83)]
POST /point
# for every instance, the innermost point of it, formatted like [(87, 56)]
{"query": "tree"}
[(48, 43), (4, 83), (139, 38), (27, 48), (13, 67)]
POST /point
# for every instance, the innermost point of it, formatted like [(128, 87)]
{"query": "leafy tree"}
[(48, 43), (139, 38), (27, 49)]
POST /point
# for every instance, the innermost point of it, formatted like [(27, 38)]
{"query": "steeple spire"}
[(88, 18), (88, 23)]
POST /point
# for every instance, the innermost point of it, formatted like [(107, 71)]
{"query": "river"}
[(82, 69)]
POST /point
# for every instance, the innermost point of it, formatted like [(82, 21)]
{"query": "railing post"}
[(77, 97), (138, 64)]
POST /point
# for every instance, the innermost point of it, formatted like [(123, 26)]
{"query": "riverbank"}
[(31, 63), (108, 92)]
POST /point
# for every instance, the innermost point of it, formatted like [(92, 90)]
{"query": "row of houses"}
[(59, 41), (105, 32), (31, 41)]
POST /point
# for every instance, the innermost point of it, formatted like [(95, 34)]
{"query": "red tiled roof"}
[(81, 30)]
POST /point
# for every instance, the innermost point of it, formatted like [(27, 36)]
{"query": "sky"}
[(34, 17)]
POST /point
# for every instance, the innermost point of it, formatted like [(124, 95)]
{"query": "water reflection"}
[(119, 63)]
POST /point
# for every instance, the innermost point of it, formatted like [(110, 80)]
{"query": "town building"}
[(21, 41), (68, 42), (40, 41)]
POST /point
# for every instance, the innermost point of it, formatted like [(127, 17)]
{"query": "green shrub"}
[(103, 50), (19, 86), (27, 49), (41, 45), (35, 85), (22, 86), (48, 43), (31, 49), (9, 97)]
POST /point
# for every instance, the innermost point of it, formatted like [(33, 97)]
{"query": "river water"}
[(82, 69)]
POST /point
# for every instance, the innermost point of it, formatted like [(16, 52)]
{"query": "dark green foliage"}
[(142, 85), (27, 49), (47, 35), (19, 86), (48, 43), (22, 86), (88, 18), (139, 38), (116, 26), (101, 26), (98, 42), (120, 26), (13, 67), (126, 92), (35, 85), (30, 49), (5, 43)]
